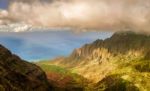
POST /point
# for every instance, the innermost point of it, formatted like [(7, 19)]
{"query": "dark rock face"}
[(18, 75)]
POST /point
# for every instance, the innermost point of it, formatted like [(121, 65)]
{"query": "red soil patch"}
[(59, 80)]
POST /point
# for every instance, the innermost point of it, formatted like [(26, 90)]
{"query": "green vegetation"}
[(119, 63), (53, 68), (135, 72), (115, 83), (129, 75), (75, 80)]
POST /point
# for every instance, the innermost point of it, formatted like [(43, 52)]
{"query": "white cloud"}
[(112, 15)]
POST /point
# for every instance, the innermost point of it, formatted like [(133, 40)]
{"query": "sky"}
[(35, 46), (3, 4), (40, 45), (114, 15), (107, 16)]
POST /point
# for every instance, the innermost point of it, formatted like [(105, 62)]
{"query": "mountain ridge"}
[(122, 60), (114, 46), (117, 44)]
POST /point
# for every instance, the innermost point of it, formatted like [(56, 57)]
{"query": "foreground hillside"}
[(119, 63), (18, 75)]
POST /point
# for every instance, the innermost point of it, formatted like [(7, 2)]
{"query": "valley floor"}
[(127, 76)]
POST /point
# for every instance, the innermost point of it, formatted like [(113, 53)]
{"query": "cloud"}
[(113, 15), (5, 18)]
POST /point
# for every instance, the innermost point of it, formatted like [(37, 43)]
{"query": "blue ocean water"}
[(34, 46)]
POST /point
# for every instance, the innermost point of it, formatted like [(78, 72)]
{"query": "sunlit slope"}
[(124, 57)]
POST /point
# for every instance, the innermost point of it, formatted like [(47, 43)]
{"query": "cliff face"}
[(96, 60), (124, 44), (18, 75)]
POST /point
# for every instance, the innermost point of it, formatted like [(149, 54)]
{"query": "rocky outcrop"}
[(119, 63), (126, 43), (19, 75), (94, 61)]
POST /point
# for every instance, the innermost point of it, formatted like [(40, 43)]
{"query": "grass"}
[(78, 80), (136, 72), (53, 68), (131, 75)]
